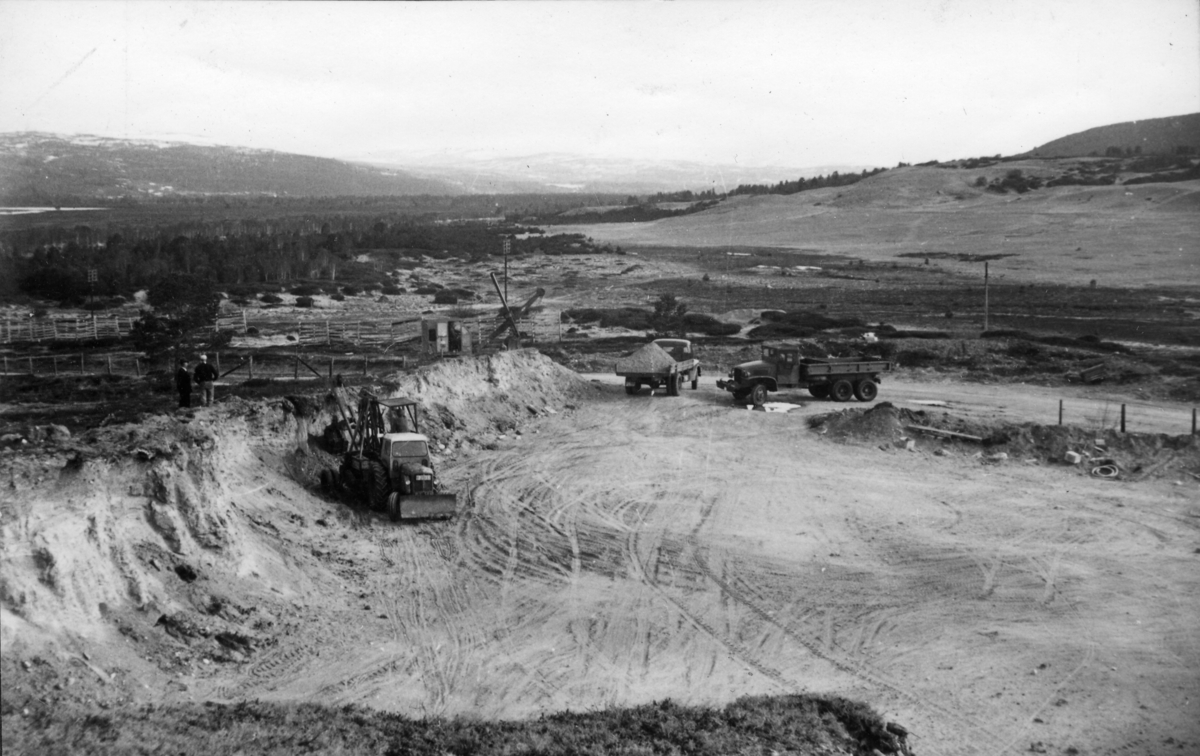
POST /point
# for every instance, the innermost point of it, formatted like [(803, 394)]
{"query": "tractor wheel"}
[(819, 392), (632, 388), (393, 507), (758, 395), (377, 483), (841, 390), (866, 390), (673, 383)]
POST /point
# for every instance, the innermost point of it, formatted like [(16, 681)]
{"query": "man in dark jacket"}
[(183, 382), (205, 376)]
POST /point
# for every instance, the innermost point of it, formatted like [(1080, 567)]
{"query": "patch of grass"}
[(792, 724)]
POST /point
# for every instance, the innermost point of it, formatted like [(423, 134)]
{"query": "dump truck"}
[(662, 362), (783, 367), (386, 461)]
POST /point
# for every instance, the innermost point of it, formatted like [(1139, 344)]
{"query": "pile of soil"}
[(650, 359), (1135, 456)]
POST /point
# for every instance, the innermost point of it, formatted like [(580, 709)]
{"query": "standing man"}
[(183, 382), (205, 376)]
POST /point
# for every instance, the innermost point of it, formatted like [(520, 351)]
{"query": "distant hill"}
[(41, 168), (1153, 136), (558, 172)]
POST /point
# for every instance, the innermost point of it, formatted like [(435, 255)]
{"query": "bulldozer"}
[(386, 460)]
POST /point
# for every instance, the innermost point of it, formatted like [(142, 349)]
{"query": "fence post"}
[(81, 363), (56, 367), (1193, 411), (1122, 418), (1193, 408), (296, 369), (1060, 411), (327, 337), (244, 326), (95, 333), (110, 364), (251, 364), (31, 366), (331, 368), (137, 367), (364, 364)]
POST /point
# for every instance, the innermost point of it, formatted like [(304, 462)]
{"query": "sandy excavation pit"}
[(609, 550)]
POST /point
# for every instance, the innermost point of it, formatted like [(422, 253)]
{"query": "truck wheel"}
[(393, 507), (866, 390), (632, 388), (841, 390), (377, 485), (758, 395), (696, 382), (740, 396), (819, 392), (673, 383)]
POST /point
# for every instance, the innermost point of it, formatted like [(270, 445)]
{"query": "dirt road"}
[(645, 547)]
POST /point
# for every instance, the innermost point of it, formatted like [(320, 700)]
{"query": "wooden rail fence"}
[(64, 328)]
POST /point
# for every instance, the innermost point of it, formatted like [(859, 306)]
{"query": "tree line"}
[(806, 184)]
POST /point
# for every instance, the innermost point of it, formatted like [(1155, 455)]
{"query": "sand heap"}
[(647, 360)]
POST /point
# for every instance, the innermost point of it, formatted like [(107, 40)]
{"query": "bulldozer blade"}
[(428, 505)]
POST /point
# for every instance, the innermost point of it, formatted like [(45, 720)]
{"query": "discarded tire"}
[(1106, 471)]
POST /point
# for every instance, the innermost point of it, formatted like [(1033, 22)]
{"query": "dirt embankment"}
[(181, 524)]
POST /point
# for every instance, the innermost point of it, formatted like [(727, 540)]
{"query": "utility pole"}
[(92, 283), (985, 296)]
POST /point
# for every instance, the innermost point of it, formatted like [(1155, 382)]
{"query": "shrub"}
[(305, 290), (350, 291), (338, 297), (445, 297), (426, 290), (304, 302), (393, 290), (270, 299)]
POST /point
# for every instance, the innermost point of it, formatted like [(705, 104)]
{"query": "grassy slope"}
[(1126, 236)]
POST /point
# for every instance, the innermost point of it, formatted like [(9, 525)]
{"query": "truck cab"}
[(680, 349), (406, 456)]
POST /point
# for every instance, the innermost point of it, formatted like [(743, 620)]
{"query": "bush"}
[(445, 297), (350, 291), (304, 302), (393, 290), (305, 290), (427, 290), (695, 322), (338, 297), (270, 299)]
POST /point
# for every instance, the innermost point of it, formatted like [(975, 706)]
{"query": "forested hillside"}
[(46, 169)]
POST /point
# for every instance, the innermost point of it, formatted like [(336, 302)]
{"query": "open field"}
[(1119, 236)]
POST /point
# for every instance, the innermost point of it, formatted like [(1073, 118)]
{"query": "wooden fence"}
[(542, 327), (61, 328), (133, 364)]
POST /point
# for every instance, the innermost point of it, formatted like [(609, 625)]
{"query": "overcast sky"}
[(868, 82)]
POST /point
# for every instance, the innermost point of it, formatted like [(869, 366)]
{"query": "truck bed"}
[(815, 367)]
